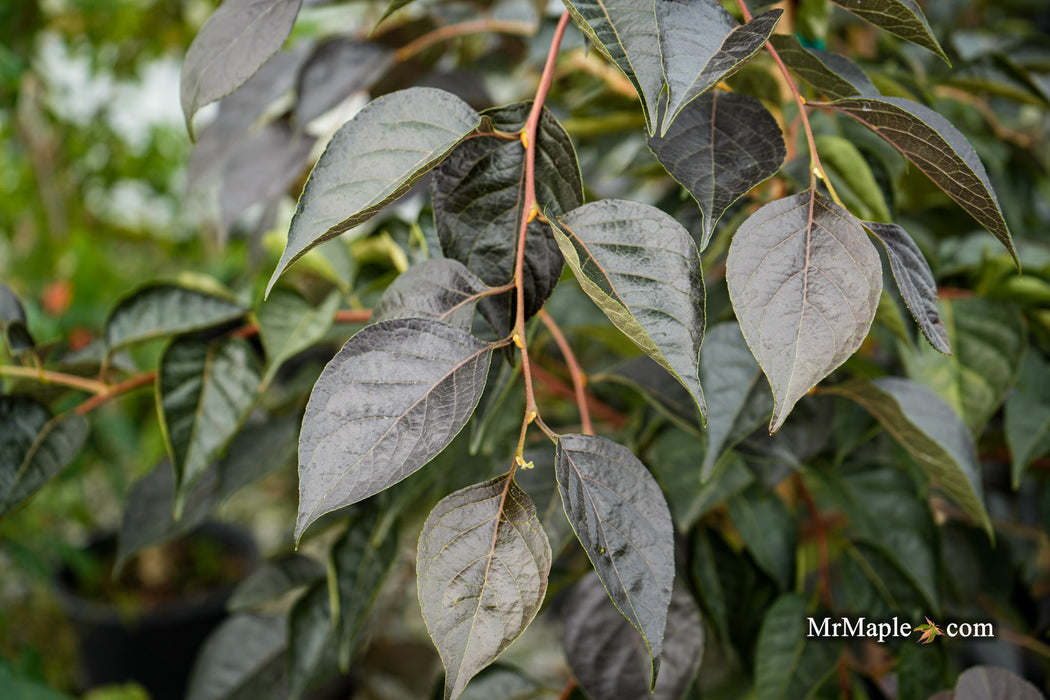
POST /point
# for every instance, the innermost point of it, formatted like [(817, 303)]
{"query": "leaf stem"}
[(92, 386), (114, 391), (579, 379), (566, 692)]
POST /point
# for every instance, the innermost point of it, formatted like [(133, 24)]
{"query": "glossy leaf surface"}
[(161, 310)]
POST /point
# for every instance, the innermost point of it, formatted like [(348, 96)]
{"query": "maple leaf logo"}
[(930, 631)]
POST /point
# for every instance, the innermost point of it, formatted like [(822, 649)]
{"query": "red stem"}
[(123, 387), (578, 377)]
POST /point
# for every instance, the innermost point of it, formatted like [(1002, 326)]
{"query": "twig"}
[(114, 391), (578, 377), (451, 31), (44, 376)]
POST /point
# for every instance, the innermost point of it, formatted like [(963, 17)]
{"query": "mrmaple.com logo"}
[(881, 631)]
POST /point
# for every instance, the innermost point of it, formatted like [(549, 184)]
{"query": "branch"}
[(578, 377), (92, 386), (118, 389), (451, 31)]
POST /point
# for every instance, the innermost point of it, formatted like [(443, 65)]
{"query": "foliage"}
[(688, 350)]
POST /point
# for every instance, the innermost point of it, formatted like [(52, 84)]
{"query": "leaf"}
[(359, 562), (769, 531), (626, 33), (34, 448), (392, 7), (642, 270), (482, 564), (232, 45), (258, 448), (387, 403), (289, 324), (1026, 415), (720, 146), (204, 393), (915, 281), (733, 378), (162, 310), (274, 579), (605, 653), (620, 517), (787, 665), (478, 198), (372, 160), (442, 289), (931, 432), (938, 149), (672, 456), (242, 660), (13, 322), (312, 652), (989, 342), (805, 282), (841, 79), (903, 18), (505, 683), (852, 178), (335, 70), (993, 683), (695, 61)]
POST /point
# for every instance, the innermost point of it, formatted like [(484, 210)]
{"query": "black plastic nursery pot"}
[(151, 642)]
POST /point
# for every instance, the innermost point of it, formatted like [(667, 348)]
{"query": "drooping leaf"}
[(1026, 415), (769, 531), (787, 664), (478, 198), (932, 433), (334, 71), (695, 61), (13, 322), (442, 289), (622, 520), (938, 149), (641, 268), (359, 562), (989, 342), (204, 393), (387, 403), (720, 146), (482, 564), (805, 282), (242, 660), (372, 160), (231, 46), (732, 377), (312, 650), (841, 79), (852, 178), (903, 18), (915, 281), (274, 579), (993, 683), (34, 448), (289, 324), (161, 310), (607, 657), (626, 33)]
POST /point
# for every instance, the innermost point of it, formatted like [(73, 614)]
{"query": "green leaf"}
[(873, 584), (273, 579), (13, 322), (288, 324), (387, 403), (673, 457), (915, 281), (738, 402), (258, 448), (788, 666), (842, 78), (505, 683), (769, 531), (989, 342), (993, 683), (312, 651), (392, 7), (695, 61), (605, 655), (931, 432), (242, 660), (719, 147), (904, 18), (938, 149), (626, 33), (921, 671), (852, 178), (805, 282), (620, 517), (232, 45), (359, 562), (482, 564), (204, 393), (442, 289), (641, 268), (34, 448), (1026, 415), (372, 160), (478, 199), (162, 310)]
